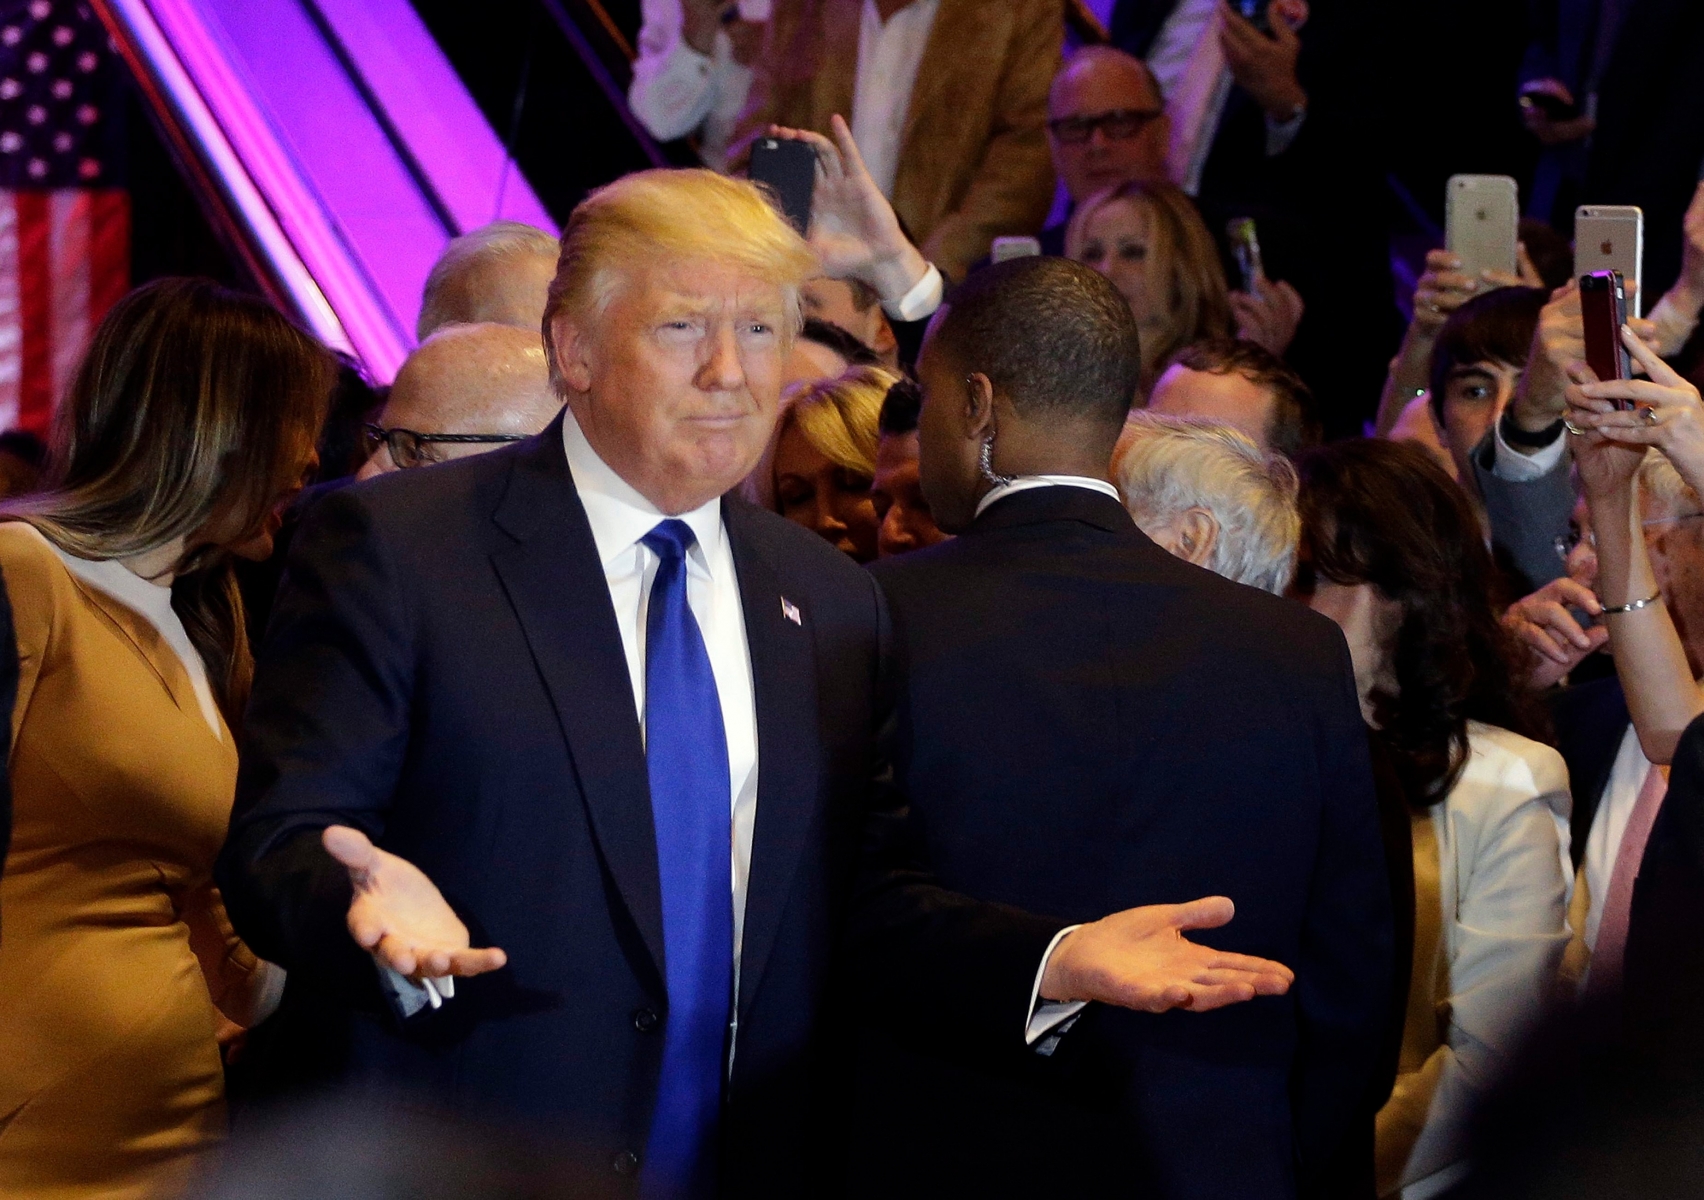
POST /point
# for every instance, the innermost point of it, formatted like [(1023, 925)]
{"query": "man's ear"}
[(569, 345), (1197, 533), (978, 406)]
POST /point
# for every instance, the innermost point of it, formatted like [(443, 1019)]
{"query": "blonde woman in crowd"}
[(822, 459), (1150, 241), (192, 418)]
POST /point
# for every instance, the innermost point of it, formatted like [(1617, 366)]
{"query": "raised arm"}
[(1650, 660)]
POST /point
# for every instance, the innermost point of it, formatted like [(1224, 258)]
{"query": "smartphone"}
[(1603, 309), (754, 10), (1013, 247), (1245, 249), (788, 169), (1481, 214), (1611, 237)]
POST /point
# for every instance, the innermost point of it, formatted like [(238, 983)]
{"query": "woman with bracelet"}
[(1609, 445)]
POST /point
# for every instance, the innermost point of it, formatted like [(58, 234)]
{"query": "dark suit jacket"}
[(1089, 724), (444, 671), (1663, 975)]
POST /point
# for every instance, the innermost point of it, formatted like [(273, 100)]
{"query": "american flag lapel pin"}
[(791, 612)]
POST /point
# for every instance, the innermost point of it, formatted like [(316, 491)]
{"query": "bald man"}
[(1106, 125), (497, 273), (480, 385)]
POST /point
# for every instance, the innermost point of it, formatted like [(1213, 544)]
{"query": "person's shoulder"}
[(790, 548), (430, 501), (1505, 770), (32, 568)]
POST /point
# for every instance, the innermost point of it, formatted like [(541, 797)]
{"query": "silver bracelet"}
[(1631, 605)]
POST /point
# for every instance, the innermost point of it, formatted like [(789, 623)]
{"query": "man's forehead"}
[(1100, 85), (706, 285)]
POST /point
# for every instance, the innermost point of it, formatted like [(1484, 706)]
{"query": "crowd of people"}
[(756, 711)]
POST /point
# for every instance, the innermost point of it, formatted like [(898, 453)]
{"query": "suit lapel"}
[(783, 669), (555, 582)]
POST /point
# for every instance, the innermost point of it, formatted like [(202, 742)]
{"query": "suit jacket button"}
[(645, 1020), (625, 1163)]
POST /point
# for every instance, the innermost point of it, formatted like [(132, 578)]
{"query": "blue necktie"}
[(686, 755)]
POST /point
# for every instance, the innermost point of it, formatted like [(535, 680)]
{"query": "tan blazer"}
[(974, 162)]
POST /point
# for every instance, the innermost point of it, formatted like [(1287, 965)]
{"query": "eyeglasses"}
[(410, 449), (1116, 125), (1567, 543)]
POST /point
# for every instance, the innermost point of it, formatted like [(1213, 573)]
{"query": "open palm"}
[(399, 915)]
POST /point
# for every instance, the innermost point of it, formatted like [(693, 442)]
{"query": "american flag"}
[(64, 214)]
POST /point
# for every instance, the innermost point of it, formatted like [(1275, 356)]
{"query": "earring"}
[(985, 461)]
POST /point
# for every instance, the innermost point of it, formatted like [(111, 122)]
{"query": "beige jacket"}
[(974, 162)]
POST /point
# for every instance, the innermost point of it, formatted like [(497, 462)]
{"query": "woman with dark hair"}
[(191, 420), (1392, 551)]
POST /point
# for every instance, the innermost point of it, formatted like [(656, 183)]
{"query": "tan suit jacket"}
[(974, 161)]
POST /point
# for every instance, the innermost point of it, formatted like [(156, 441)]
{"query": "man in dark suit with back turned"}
[(633, 731), (1088, 723)]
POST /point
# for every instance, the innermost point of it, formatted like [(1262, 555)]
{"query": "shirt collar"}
[(618, 514), (1024, 483)]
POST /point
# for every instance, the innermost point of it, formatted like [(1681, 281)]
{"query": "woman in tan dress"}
[(192, 417)]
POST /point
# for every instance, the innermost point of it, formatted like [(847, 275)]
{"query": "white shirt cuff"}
[(1049, 1019), (1281, 134), (673, 91), (1523, 466), (410, 997), (921, 301)]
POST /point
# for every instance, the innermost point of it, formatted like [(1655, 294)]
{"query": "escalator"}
[(337, 145)]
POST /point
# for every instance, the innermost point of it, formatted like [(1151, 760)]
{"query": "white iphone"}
[(1611, 237), (1481, 217)]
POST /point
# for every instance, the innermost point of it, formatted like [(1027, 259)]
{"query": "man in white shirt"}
[(571, 702), (694, 69)]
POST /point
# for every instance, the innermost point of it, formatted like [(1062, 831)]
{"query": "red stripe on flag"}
[(109, 251), (35, 309)]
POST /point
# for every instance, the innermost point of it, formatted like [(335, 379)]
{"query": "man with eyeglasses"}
[(466, 390), (1106, 125)]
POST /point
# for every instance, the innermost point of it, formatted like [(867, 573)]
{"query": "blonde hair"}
[(669, 216), (1182, 259), (839, 417), (1168, 465)]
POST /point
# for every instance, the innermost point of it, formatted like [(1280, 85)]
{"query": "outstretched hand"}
[(853, 227), (1140, 959), (399, 915)]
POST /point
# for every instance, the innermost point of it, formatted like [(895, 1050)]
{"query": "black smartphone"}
[(1603, 309), (787, 168)]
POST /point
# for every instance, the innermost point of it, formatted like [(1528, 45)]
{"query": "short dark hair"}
[(1295, 424), (1495, 327), (901, 408), (842, 342), (1052, 335)]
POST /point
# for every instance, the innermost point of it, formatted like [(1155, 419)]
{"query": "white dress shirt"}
[(1609, 823), (1189, 65), (676, 90), (889, 54), (1025, 483)]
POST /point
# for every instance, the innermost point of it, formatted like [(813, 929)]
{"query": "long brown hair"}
[(1183, 260), (1385, 513), (194, 405)]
